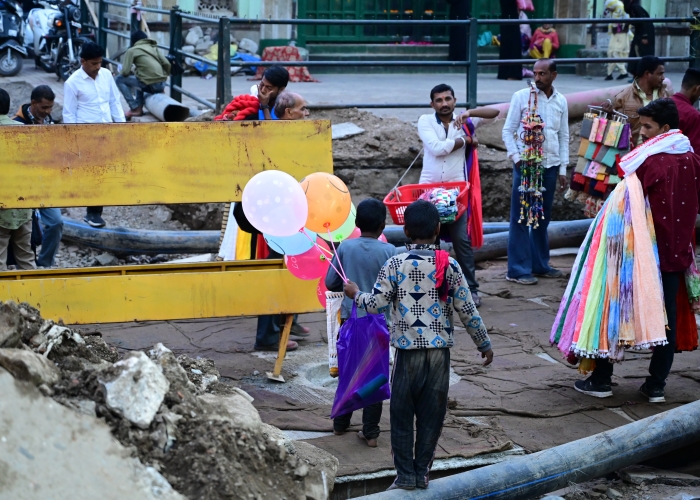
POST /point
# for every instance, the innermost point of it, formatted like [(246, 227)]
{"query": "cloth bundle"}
[(614, 299), (445, 200), (603, 142), (240, 108)]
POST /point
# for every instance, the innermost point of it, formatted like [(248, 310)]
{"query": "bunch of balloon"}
[(295, 219)]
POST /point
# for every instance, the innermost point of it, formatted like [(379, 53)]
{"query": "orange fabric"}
[(285, 53)]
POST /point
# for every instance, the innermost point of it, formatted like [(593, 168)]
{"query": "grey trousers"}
[(420, 382), (457, 231), (21, 241)]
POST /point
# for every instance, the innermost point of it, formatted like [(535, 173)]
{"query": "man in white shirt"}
[(91, 96), (444, 148), (528, 248)]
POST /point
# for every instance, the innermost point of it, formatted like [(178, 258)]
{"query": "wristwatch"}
[(264, 106)]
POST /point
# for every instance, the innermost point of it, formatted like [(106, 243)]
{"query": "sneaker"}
[(395, 486), (299, 331), (552, 273), (608, 78), (476, 299), (94, 220), (371, 442), (291, 346), (590, 388), (523, 280), (622, 77), (654, 395)]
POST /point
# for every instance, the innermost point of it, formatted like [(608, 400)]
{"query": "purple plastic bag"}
[(363, 363)]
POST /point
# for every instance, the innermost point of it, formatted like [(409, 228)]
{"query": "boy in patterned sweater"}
[(423, 287)]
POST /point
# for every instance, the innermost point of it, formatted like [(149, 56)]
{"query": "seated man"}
[(291, 106), (38, 112), (544, 43), (15, 223), (152, 70)]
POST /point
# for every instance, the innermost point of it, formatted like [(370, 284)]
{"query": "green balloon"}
[(343, 231)]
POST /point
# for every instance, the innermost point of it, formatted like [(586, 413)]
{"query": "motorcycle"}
[(11, 36), (57, 38)]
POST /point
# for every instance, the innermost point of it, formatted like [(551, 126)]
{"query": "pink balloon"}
[(383, 238), (321, 291), (311, 264), (355, 234), (275, 204)]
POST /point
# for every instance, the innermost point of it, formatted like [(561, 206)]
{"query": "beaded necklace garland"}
[(531, 167)]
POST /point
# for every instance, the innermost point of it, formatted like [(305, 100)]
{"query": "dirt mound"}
[(175, 415)]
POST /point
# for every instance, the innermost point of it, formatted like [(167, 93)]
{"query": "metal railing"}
[(223, 62)]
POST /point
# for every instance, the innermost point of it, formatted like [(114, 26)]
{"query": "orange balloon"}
[(329, 202)]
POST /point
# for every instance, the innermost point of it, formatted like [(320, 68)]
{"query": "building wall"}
[(574, 34), (277, 9)]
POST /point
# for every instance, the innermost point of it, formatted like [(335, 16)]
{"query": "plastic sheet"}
[(363, 363)]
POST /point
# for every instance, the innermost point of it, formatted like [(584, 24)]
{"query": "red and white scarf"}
[(672, 142)]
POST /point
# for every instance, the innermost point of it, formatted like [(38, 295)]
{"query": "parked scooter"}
[(57, 37), (11, 37)]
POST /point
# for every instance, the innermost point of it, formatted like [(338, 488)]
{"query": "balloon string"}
[(335, 252), (330, 261)]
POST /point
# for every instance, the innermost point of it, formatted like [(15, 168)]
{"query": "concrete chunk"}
[(345, 130), (638, 474), (135, 387), (29, 366)]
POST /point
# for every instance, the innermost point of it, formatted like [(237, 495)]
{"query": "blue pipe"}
[(529, 476)]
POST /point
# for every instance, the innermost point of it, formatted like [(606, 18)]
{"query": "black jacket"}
[(22, 116)]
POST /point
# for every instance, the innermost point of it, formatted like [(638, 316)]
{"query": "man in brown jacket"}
[(647, 87)]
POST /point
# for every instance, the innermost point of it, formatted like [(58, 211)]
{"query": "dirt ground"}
[(525, 398)]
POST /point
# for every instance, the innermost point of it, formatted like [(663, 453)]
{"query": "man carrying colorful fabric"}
[(669, 173), (449, 147)]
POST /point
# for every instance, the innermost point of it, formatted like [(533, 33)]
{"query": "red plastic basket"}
[(396, 204)]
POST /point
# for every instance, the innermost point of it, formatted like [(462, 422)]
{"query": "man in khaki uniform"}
[(15, 224)]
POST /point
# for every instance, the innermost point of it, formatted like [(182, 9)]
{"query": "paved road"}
[(365, 88)]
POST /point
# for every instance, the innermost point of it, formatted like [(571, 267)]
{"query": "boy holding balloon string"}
[(361, 258), (423, 287)]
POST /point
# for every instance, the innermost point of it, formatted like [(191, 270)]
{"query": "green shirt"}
[(13, 218)]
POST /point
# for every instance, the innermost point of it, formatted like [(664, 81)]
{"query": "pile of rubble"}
[(190, 433)]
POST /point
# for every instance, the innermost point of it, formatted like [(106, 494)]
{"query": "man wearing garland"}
[(669, 173), (528, 247)]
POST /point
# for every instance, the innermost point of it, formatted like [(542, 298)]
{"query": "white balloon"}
[(275, 204)]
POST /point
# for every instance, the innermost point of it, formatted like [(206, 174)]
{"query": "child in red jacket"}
[(544, 43)]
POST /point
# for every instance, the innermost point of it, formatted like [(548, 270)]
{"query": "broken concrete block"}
[(613, 494), (10, 328), (323, 468), (194, 35), (106, 259), (135, 387), (345, 130), (49, 451), (248, 45), (52, 335), (639, 474), (235, 409), (180, 385), (29, 366), (373, 143)]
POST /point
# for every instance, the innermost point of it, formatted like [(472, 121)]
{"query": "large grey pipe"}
[(122, 240), (561, 234), (166, 109), (532, 475)]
